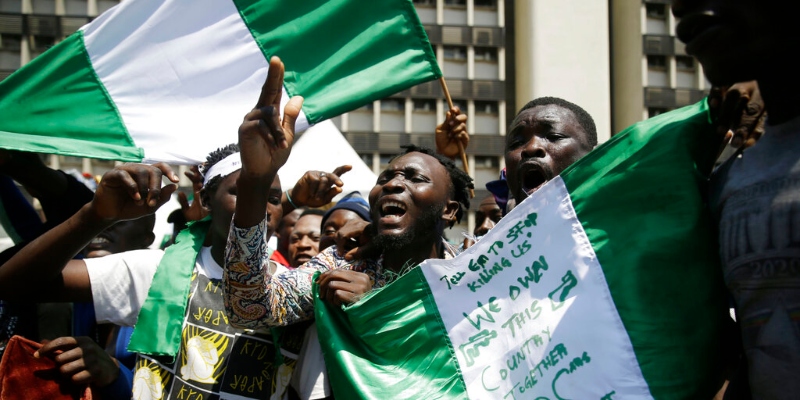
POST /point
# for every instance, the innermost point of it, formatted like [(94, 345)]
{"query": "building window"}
[(684, 63), (656, 11), (456, 3), (487, 4), (654, 111), (455, 53), (425, 3), (10, 42), (485, 54), (486, 107), (461, 104), (42, 43), (393, 105), (385, 160), (365, 108), (657, 62), (366, 158), (424, 105)]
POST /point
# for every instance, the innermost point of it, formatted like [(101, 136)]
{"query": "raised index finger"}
[(273, 86)]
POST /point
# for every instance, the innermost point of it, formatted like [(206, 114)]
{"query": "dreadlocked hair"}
[(213, 158), (460, 182)]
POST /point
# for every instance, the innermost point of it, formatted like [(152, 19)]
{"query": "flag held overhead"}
[(169, 80)]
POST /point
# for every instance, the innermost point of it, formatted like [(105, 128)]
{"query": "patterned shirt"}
[(255, 298)]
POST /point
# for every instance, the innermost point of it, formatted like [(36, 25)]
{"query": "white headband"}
[(224, 167)]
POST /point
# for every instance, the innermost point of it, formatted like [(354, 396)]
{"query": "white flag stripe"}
[(166, 101), (532, 340)]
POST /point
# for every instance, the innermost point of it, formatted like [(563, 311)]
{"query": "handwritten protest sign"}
[(529, 312)]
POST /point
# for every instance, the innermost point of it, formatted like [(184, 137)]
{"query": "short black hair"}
[(584, 119), (460, 181), (213, 158), (311, 211)]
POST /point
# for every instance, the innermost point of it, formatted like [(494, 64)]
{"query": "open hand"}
[(317, 188), (131, 191)]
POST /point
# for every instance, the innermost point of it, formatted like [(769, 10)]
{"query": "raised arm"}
[(44, 270)]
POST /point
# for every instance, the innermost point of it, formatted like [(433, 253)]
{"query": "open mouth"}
[(533, 179), (392, 209), (99, 241)]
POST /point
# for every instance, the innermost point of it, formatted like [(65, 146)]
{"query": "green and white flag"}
[(604, 284), (171, 80)]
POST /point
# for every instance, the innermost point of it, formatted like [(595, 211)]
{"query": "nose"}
[(534, 148), (394, 185), (306, 242), (484, 227)]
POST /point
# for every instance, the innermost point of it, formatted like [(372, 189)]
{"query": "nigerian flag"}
[(604, 284), (171, 80)]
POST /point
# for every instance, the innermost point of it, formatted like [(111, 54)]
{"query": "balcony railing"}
[(389, 143)]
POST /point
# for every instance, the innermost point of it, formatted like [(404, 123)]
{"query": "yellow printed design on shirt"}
[(148, 381), (202, 356)]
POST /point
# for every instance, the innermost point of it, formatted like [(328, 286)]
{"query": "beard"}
[(426, 224)]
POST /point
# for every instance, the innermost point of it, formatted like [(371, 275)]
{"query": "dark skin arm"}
[(265, 141), (44, 270)]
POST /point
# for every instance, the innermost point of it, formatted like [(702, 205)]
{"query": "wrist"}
[(91, 219)]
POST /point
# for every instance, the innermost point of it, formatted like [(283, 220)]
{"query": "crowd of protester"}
[(219, 303)]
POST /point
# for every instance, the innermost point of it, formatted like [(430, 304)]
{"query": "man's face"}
[(335, 221), (542, 142), (304, 241), (223, 205), (487, 216), (120, 237), (285, 229), (410, 201), (734, 39)]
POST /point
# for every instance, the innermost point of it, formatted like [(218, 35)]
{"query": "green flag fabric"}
[(170, 80), (604, 284)]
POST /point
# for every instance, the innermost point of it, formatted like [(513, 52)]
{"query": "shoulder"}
[(136, 259)]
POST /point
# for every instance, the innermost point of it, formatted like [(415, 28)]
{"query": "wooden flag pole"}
[(460, 146)]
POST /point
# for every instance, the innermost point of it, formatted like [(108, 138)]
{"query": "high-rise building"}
[(652, 73)]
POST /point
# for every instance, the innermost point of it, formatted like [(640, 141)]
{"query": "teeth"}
[(99, 240), (388, 204)]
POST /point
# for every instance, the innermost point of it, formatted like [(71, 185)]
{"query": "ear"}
[(204, 199), (450, 211)]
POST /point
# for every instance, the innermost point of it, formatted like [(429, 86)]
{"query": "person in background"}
[(486, 217), (284, 231), (304, 240), (351, 207)]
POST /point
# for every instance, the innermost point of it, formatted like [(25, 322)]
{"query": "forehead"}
[(417, 161), (488, 204), (551, 115), (340, 215), (308, 222)]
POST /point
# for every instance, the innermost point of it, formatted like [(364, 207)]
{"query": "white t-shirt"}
[(214, 359)]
